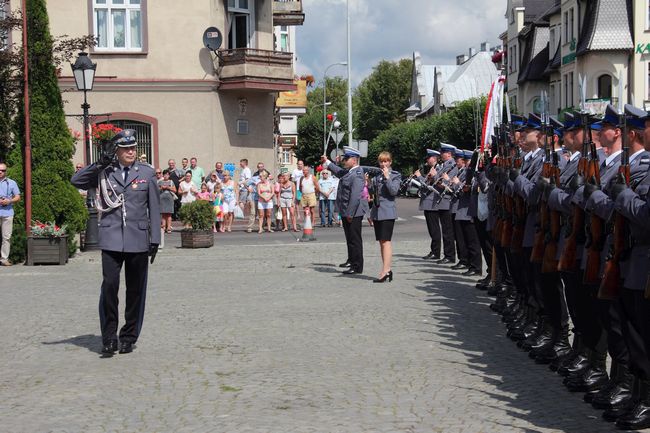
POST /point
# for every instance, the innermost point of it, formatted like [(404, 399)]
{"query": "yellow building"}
[(155, 75)]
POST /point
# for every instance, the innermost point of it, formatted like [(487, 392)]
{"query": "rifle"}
[(568, 260), (596, 234), (549, 262), (499, 195), (537, 254), (519, 212), (610, 284), (508, 204)]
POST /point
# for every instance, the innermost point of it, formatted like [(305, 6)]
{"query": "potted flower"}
[(47, 245), (104, 131), (197, 217)]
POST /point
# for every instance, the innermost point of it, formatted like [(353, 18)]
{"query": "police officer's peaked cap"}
[(444, 147), (431, 152), (558, 127), (468, 154), (534, 121), (611, 115), (459, 153), (124, 138), (569, 121), (350, 152), (635, 117)]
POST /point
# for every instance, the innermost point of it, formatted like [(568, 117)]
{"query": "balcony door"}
[(241, 21)]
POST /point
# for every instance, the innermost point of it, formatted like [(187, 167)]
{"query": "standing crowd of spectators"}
[(276, 203)]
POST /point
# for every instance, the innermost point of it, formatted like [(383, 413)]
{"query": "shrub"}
[(199, 214), (53, 196)]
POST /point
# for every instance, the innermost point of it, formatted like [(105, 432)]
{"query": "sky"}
[(391, 30)]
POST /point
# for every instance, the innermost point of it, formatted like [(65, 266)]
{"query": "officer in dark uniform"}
[(427, 198), (469, 247), (633, 203), (350, 204), (442, 205), (129, 232)]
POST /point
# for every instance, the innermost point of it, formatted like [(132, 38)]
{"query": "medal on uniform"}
[(134, 186)]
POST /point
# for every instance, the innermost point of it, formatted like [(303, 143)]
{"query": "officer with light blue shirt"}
[(9, 195), (351, 205)]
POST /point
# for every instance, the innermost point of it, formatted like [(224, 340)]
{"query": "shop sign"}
[(642, 48)]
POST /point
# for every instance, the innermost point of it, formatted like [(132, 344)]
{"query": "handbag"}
[(239, 213), (278, 213)]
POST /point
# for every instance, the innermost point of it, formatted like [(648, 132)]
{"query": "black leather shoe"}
[(471, 273), (593, 379), (110, 348), (638, 418), (351, 271), (559, 350), (579, 364), (126, 347), (430, 256), (444, 261), (459, 266), (619, 396), (345, 265)]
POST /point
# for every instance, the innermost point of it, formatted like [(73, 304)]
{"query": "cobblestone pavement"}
[(273, 340)]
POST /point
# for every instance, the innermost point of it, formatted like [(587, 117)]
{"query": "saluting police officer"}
[(129, 232), (350, 204)]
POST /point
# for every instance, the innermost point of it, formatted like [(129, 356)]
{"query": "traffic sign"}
[(337, 136)]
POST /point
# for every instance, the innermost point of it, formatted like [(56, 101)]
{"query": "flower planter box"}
[(47, 251), (197, 239)]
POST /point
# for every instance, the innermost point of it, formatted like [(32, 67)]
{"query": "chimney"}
[(485, 47), (472, 52), (460, 59)]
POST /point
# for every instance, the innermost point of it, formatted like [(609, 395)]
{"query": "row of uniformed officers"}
[(560, 212)]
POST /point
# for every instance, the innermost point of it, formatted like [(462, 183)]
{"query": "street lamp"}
[(325, 104), (83, 71)]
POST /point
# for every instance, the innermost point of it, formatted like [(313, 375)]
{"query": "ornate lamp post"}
[(326, 103), (84, 77)]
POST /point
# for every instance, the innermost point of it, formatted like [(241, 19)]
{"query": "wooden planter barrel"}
[(47, 251), (197, 239)]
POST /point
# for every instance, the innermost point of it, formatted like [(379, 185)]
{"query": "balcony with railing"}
[(248, 68), (288, 13)]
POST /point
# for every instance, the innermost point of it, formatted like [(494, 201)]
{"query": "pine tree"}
[(53, 196)]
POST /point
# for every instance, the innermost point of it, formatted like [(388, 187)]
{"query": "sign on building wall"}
[(597, 106), (296, 98)]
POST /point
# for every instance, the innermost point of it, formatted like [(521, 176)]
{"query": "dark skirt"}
[(384, 229)]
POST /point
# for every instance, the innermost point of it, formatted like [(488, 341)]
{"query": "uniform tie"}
[(125, 173)]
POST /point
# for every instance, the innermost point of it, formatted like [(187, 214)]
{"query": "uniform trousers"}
[(352, 232), (467, 232), (610, 313), (461, 245), (447, 226), (433, 226), (485, 240), (635, 310), (553, 300), (594, 334), (135, 272)]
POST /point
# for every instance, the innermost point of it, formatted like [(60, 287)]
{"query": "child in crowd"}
[(218, 209)]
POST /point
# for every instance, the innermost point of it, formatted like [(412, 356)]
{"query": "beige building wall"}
[(640, 75), (515, 18), (172, 85)]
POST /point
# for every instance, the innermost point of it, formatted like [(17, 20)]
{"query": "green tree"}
[(408, 141), (382, 97), (53, 196), (310, 126)]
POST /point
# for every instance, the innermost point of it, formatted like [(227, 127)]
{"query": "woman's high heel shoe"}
[(388, 276)]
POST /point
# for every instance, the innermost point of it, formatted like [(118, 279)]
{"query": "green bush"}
[(199, 214), (53, 196)]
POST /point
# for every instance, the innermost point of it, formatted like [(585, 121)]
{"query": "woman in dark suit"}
[(385, 187)]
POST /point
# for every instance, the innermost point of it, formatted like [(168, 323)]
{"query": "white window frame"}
[(566, 28), (571, 25), (235, 9), (127, 7), (286, 33), (647, 15), (286, 156)]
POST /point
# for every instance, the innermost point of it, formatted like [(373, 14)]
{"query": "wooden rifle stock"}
[(596, 229), (550, 262), (519, 218), (537, 254), (506, 226)]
